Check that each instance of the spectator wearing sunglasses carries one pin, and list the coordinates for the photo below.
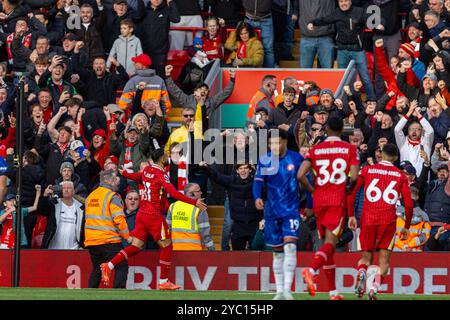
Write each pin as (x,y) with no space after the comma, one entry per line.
(183,133)
(131,209)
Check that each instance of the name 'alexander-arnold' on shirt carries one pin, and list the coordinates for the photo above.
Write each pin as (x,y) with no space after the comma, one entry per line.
(384,172)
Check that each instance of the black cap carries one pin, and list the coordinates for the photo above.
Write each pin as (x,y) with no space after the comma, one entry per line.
(261,109)
(10,196)
(413,24)
(68,129)
(320,109)
(70,36)
(120,1)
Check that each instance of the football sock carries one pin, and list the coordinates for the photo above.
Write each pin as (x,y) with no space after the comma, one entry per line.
(330,271)
(290,262)
(378,282)
(277,266)
(362,268)
(124,254)
(165,261)
(321,256)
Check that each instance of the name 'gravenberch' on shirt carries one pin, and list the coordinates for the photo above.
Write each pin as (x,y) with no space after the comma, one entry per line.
(331,151)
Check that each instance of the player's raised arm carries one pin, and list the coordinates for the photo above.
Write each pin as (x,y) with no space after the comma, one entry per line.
(136,176)
(301,175)
(174,193)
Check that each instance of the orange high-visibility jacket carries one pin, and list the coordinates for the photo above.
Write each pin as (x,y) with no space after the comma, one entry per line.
(418,235)
(256,100)
(105,218)
(155,88)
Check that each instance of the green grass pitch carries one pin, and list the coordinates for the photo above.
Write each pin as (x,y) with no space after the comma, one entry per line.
(107,294)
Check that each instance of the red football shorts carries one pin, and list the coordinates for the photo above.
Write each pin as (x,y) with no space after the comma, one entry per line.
(377,237)
(331,218)
(150,226)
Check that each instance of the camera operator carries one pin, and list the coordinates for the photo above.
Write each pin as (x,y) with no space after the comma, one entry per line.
(65,218)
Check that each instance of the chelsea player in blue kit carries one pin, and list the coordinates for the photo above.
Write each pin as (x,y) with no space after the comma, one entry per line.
(277,172)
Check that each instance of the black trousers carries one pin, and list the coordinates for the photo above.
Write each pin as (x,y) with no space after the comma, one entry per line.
(242,234)
(159,63)
(104,253)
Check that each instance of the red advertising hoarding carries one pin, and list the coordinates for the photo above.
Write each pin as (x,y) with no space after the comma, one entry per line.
(409,273)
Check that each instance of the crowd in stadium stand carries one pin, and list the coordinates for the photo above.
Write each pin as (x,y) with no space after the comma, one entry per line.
(99,92)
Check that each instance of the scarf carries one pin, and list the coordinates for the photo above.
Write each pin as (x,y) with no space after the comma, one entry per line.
(242,51)
(26,41)
(182,173)
(127,163)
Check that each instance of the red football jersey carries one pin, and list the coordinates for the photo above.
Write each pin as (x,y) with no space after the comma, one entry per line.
(153,195)
(7,237)
(383,185)
(331,160)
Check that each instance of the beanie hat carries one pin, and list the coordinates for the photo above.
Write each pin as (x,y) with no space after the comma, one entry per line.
(432,77)
(327,91)
(99,132)
(113,160)
(197,41)
(67,165)
(408,48)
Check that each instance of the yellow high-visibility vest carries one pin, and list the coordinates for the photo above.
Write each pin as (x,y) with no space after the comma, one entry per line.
(185,234)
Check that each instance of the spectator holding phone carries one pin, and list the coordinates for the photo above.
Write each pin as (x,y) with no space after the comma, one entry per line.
(53,80)
(420,137)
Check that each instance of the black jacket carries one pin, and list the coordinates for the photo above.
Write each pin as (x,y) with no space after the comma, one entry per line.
(45,81)
(240,193)
(92,119)
(111,31)
(80,189)
(92,37)
(52,158)
(389,16)
(32,175)
(349,26)
(413,93)
(226,9)
(280,115)
(102,90)
(188,7)
(154,28)
(9,24)
(19,51)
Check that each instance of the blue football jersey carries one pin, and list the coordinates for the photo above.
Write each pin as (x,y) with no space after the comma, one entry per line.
(282,188)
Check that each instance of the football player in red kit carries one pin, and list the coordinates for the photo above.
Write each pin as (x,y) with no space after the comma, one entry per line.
(150,220)
(383,184)
(332,160)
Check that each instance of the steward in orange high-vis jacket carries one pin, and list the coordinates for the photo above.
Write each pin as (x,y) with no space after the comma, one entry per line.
(105,227)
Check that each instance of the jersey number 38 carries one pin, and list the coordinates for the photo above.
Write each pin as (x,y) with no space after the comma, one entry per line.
(337,176)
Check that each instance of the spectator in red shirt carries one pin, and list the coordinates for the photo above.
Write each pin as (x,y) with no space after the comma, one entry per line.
(214,38)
